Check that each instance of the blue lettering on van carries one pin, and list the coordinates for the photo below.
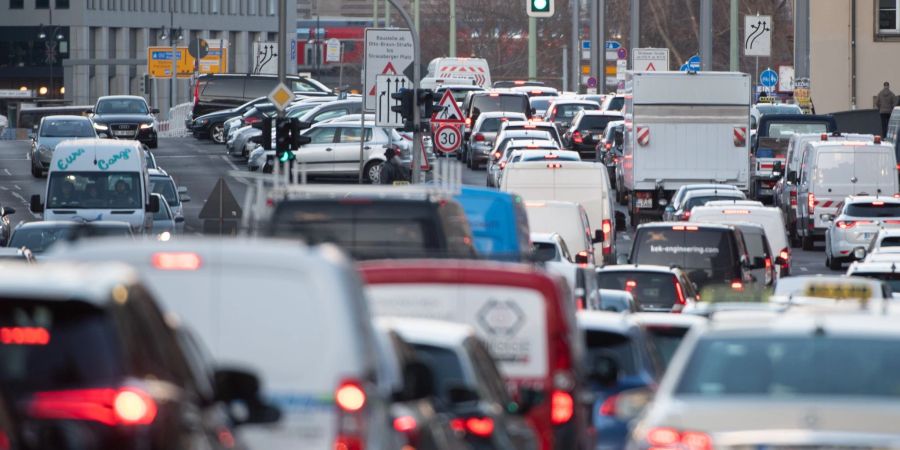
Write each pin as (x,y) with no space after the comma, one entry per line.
(64,164)
(105,164)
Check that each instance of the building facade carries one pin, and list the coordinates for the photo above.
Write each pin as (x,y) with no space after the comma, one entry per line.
(854,49)
(78,50)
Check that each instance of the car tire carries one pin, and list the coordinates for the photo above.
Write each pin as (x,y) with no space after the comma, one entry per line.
(833,263)
(807,243)
(372,172)
(792,237)
(217,133)
(36,171)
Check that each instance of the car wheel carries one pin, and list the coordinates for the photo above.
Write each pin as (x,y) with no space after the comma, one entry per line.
(373,172)
(36,171)
(792,236)
(217,133)
(806,243)
(833,263)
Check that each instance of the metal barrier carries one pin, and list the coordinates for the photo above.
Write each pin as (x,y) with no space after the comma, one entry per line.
(175,125)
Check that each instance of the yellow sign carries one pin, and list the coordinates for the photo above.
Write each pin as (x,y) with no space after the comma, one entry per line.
(838,291)
(585,70)
(159,62)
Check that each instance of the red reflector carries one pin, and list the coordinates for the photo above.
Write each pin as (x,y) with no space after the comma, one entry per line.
(608,408)
(350,396)
(176,261)
(405,424)
(562,407)
(126,406)
(24,336)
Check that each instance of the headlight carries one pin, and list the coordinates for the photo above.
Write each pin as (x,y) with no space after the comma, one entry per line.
(202,121)
(100,126)
(164,236)
(146,126)
(45,149)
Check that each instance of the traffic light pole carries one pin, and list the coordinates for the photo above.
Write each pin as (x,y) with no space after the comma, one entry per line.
(417,116)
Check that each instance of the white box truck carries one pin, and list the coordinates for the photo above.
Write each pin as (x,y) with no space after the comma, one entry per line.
(683,128)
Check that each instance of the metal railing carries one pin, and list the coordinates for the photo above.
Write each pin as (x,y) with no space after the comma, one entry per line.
(175,125)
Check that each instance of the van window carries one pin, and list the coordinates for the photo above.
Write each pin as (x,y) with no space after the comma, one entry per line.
(569,110)
(94,190)
(756,244)
(258,87)
(788,129)
(833,168)
(491,103)
(544,252)
(222,87)
(877,209)
(616,104)
(666,340)
(890,242)
(707,255)
(303,86)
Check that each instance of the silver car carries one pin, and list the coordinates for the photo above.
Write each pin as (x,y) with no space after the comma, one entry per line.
(51,131)
(481,140)
(164,221)
(175,196)
(855,224)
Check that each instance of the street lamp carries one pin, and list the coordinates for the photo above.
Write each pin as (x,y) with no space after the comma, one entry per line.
(51,41)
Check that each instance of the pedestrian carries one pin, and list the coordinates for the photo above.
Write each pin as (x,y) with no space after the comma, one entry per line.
(392,172)
(885,103)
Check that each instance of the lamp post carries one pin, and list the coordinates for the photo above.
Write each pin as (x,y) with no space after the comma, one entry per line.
(173,35)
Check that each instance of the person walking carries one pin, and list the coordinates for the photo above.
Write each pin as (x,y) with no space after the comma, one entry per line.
(885,103)
(392,172)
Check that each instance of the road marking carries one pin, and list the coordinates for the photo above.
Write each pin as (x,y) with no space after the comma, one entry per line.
(626,237)
(4,188)
(7,172)
(17,187)
(13,159)
(804,269)
(26,203)
(229,162)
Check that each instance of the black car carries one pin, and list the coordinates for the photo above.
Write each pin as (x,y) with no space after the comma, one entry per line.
(586,130)
(88,361)
(125,117)
(212,125)
(215,92)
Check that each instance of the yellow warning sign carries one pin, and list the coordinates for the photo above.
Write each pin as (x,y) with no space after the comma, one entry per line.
(159,62)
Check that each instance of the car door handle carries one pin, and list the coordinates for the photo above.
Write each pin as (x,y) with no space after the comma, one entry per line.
(328,149)
(367,148)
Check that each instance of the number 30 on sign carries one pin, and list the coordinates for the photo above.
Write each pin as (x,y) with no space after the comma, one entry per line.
(447,138)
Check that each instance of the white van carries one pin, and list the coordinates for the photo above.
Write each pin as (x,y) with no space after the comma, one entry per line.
(831,171)
(769,217)
(99,179)
(297,316)
(474,71)
(568,220)
(586,183)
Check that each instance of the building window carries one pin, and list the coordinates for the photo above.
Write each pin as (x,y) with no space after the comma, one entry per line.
(271,7)
(888,17)
(16,4)
(214,6)
(42,4)
(62,4)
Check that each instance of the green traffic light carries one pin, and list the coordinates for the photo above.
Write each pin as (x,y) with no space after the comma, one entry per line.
(287,156)
(540,5)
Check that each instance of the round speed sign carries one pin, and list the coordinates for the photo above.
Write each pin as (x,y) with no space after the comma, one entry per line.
(447,138)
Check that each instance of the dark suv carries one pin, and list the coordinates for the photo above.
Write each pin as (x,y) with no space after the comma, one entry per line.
(214,92)
(87,361)
(479,101)
(125,117)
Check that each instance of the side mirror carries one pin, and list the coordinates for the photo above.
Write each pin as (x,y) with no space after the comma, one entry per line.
(631,403)
(153,206)
(599,237)
(859,253)
(241,389)
(620,221)
(36,205)
(779,167)
(581,258)
(603,369)
(418,382)
(8,210)
(792,176)
(184,198)
(154,110)
(759,263)
(827,217)
(461,394)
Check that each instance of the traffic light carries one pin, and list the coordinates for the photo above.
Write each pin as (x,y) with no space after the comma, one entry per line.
(298,139)
(265,140)
(283,140)
(426,102)
(405,108)
(540,8)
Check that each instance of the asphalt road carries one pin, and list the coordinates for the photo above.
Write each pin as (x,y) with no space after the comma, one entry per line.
(199,164)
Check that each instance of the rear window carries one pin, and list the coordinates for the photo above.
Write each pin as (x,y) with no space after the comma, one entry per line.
(708,255)
(612,344)
(651,290)
(56,345)
(666,339)
(509,103)
(616,104)
(568,111)
(702,200)
(874,209)
(222,87)
(445,366)
(596,123)
(788,129)
(756,244)
(890,242)
(540,104)
(491,125)
(832,168)
(544,251)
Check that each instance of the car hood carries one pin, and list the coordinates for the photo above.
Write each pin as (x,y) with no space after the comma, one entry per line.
(821,414)
(122,118)
(51,142)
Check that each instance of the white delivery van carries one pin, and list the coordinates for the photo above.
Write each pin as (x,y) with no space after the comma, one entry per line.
(568,220)
(683,128)
(768,217)
(474,71)
(99,179)
(585,183)
(833,170)
(242,298)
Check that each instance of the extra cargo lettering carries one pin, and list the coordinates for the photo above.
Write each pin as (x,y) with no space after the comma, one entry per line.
(64,164)
(105,164)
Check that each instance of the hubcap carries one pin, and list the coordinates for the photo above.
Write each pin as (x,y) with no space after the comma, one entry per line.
(375,173)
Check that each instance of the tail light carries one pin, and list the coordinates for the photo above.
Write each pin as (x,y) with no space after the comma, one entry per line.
(24,336)
(113,407)
(176,261)
(350,398)
(554,166)
(562,407)
(630,285)
(793,198)
(672,438)
(407,426)
(877,139)
(847,224)
(496,155)
(737,285)
(607,236)
(196,93)
(811,203)
(479,137)
(608,145)
(679,293)
(686,215)
(251,120)
(482,427)
(468,121)
(576,136)
(608,408)
(898,166)
(502,165)
(892,222)
(768,263)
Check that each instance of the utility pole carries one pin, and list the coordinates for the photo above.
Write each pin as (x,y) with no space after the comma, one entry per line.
(801,39)
(532,48)
(452,52)
(418,153)
(575,80)
(734,64)
(387,15)
(598,43)
(283,43)
(374,13)
(706,35)
(416,12)
(635,31)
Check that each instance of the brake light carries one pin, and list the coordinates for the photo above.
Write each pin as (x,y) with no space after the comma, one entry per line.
(793,198)
(679,292)
(684,228)
(824,136)
(562,407)
(196,93)
(784,254)
(479,137)
(176,261)
(878,203)
(112,407)
(551,156)
(481,427)
(251,120)
(892,222)
(686,215)
(502,164)
(519,83)
(350,396)
(607,236)
(496,155)
(768,263)
(405,424)
(608,145)
(671,438)
(811,203)
(847,224)
(24,336)
(554,166)
(576,136)
(877,139)
(630,285)
(608,408)
(736,211)
(529,127)
(737,285)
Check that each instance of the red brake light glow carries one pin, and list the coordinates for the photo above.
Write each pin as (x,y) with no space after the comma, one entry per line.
(554,166)
(671,438)
(737,285)
(350,396)
(493,94)
(24,336)
(481,427)
(785,254)
(176,261)
(405,424)
(736,211)
(680,293)
(608,408)
(878,203)
(576,136)
(811,203)
(663,437)
(125,406)
(684,228)
(479,137)
(562,407)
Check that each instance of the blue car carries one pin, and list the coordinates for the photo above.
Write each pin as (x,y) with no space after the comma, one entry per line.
(499,223)
(620,337)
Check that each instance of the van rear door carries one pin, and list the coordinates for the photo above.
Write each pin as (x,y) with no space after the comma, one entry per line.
(874,168)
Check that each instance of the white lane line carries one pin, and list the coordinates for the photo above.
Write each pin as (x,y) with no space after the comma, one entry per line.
(26,203)
(626,237)
(7,172)
(13,159)
(229,162)
(804,269)
(4,188)
(17,187)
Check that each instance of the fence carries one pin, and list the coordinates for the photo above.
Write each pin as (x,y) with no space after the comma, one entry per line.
(175,125)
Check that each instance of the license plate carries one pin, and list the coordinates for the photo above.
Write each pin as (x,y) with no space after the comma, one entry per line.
(644,202)
(124,133)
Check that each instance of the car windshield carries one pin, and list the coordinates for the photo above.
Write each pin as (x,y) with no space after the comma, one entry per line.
(616,345)
(94,190)
(67,345)
(53,128)
(544,251)
(122,106)
(652,290)
(873,209)
(706,254)
(788,129)
(666,339)
(569,110)
(165,187)
(813,364)
(39,239)
(540,104)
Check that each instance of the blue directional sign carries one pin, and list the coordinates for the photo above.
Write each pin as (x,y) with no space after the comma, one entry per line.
(768,78)
(613,45)
(692,64)
(585,44)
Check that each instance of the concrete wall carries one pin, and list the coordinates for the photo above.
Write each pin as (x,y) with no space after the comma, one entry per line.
(877,57)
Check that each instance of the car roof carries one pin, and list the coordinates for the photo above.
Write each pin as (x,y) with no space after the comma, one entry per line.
(753,205)
(132,97)
(601,113)
(675,320)
(536,123)
(429,332)
(72,223)
(71,282)
(686,224)
(809,324)
(573,101)
(638,268)
(604,321)
(544,237)
(716,192)
(496,114)
(523,143)
(158,173)
(694,187)
(874,266)
(870,199)
(66,117)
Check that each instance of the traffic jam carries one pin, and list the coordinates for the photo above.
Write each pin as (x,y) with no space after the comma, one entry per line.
(622,275)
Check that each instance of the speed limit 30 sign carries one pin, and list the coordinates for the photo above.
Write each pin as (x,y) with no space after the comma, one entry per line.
(447,138)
